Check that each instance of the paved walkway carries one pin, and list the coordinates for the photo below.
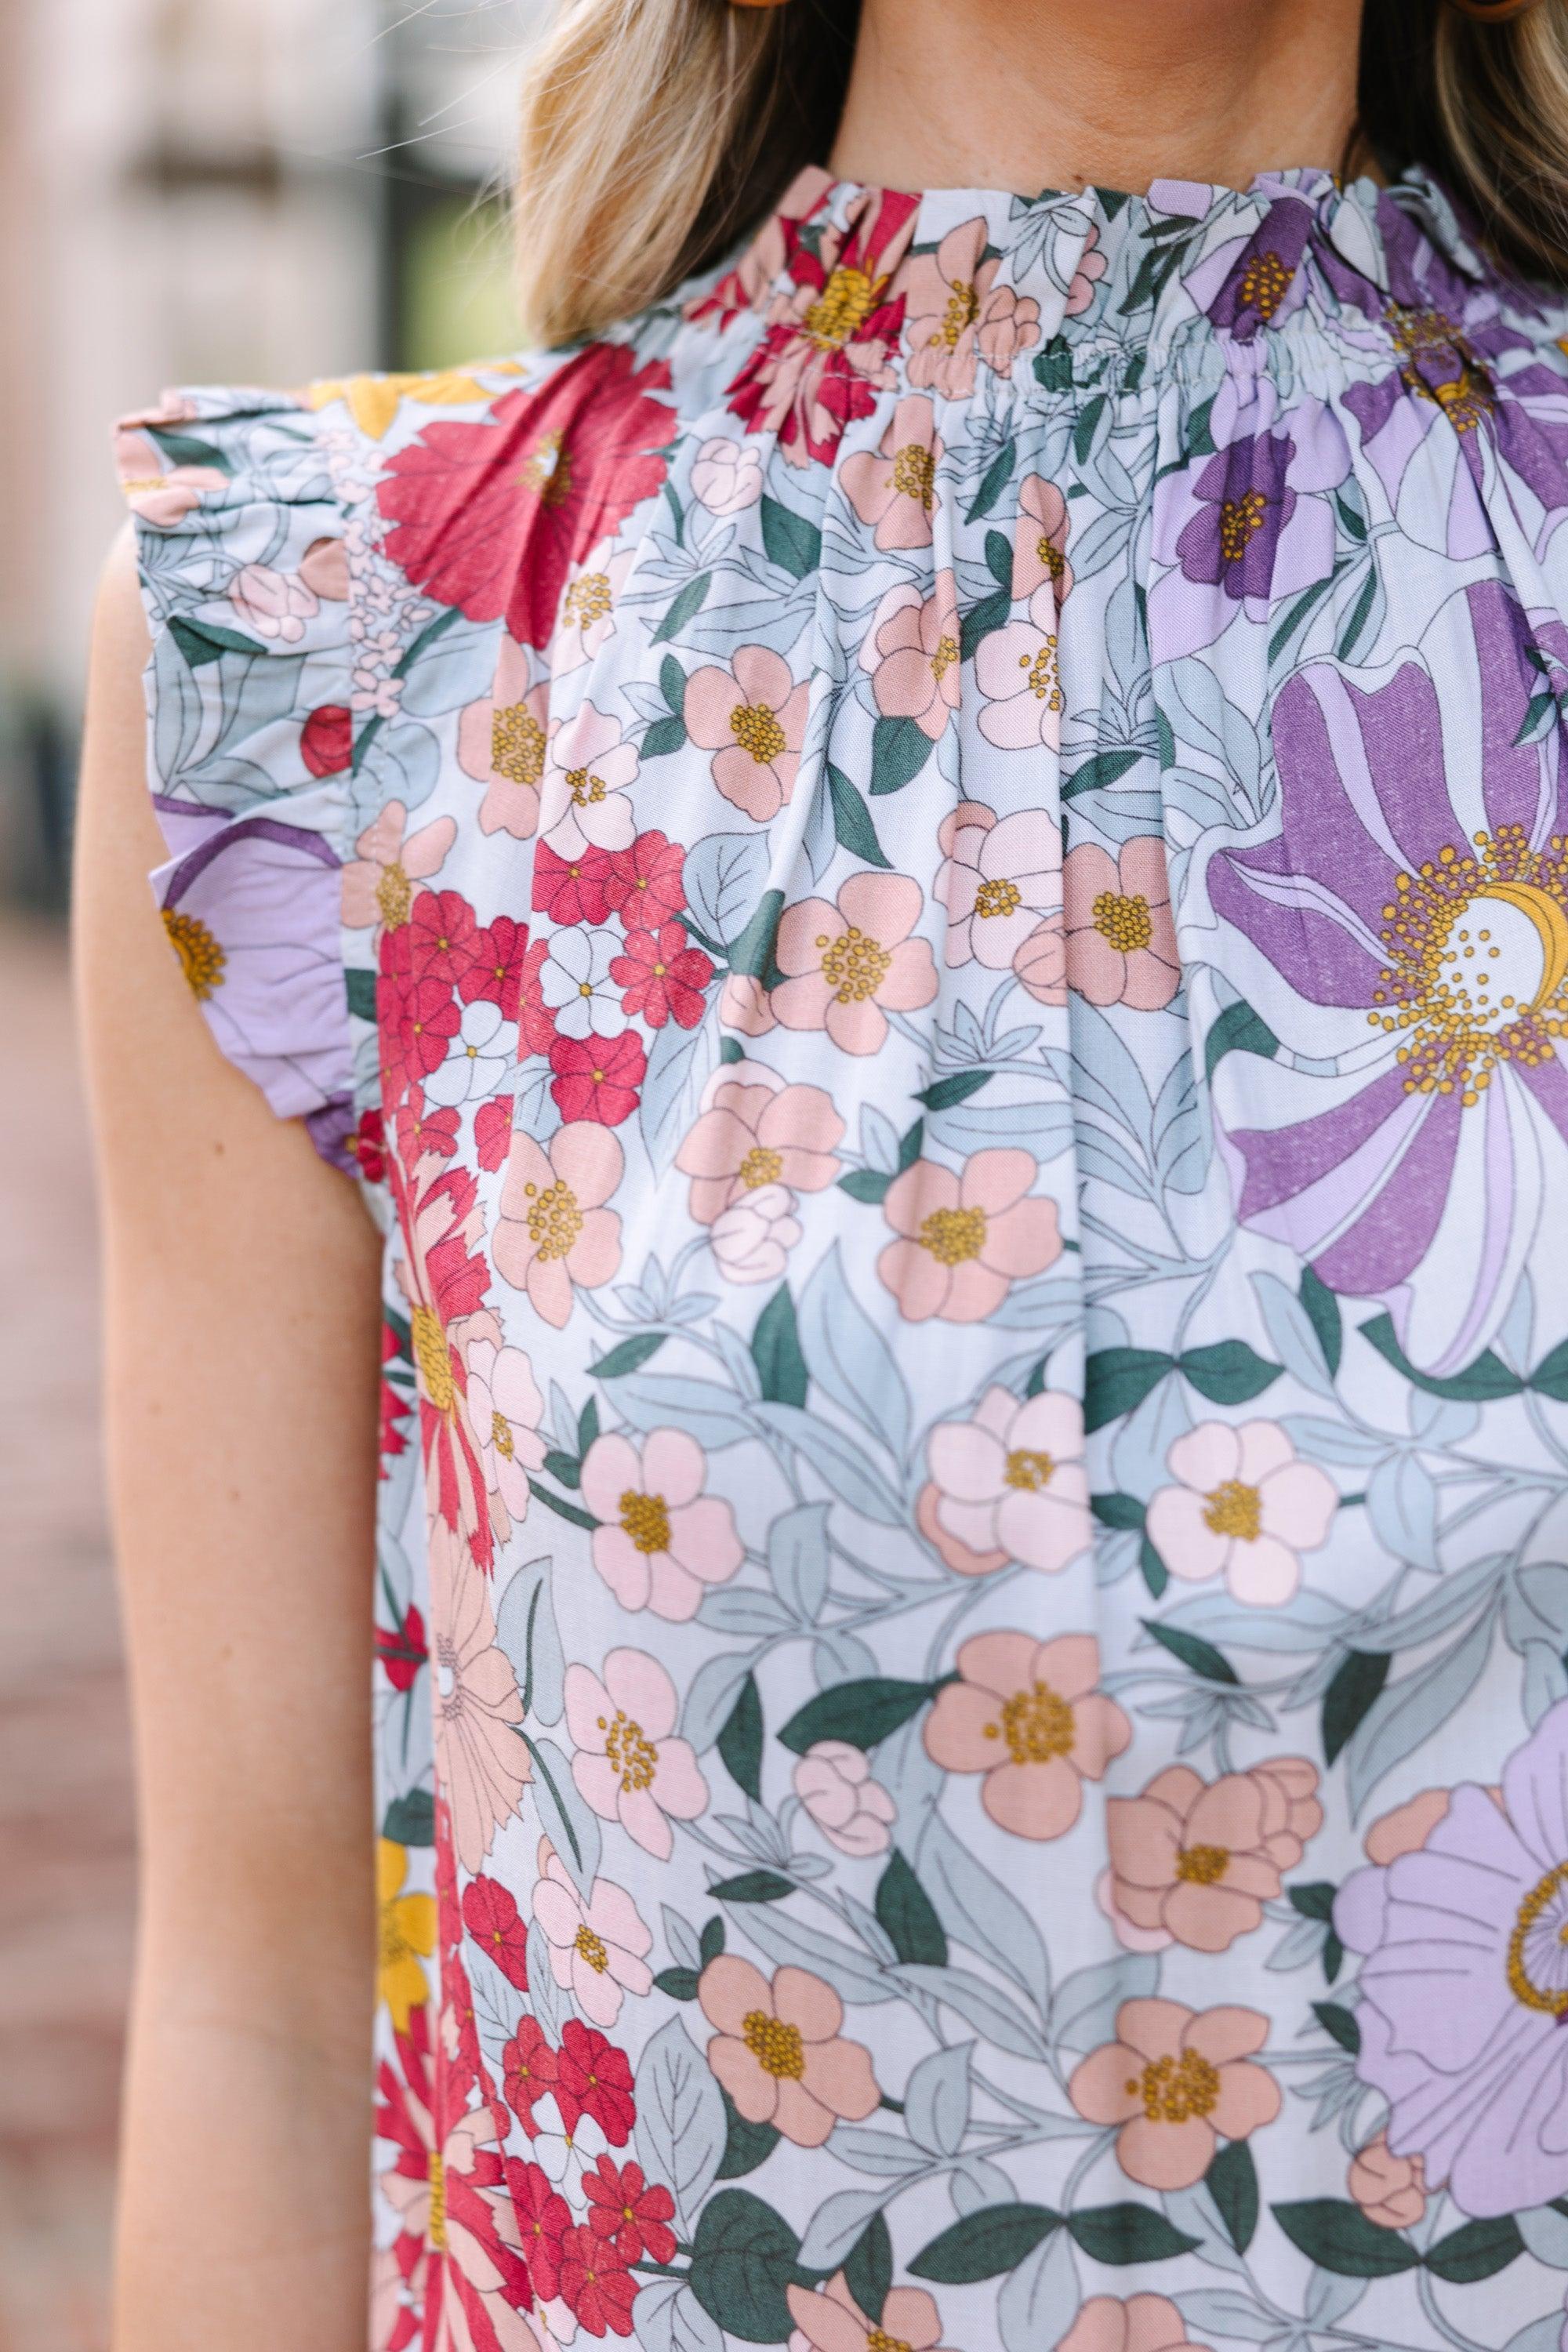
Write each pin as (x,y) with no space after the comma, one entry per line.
(65,1802)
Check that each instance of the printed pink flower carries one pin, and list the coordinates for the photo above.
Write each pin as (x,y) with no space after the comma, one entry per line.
(1389,2190)
(598,1943)
(832,2320)
(158,494)
(751,717)
(776,2049)
(757,1131)
(854,1813)
(1177,2083)
(957,1555)
(1087,276)
(378,884)
(751,1239)
(997,881)
(276,604)
(895,487)
(912,651)
(1121,935)
(956,316)
(1406,1829)
(1040,965)
(480,1763)
(660,1538)
(626,1764)
(500,743)
(1144,2323)
(553,1230)
(582,800)
(1244,1509)
(587,619)
(1016,670)
(727,475)
(1011,1479)
(324,569)
(1030,1715)
(847,965)
(1039,541)
(1193,1862)
(505,1409)
(964,1240)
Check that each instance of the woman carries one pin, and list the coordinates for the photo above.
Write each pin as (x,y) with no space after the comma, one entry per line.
(926,892)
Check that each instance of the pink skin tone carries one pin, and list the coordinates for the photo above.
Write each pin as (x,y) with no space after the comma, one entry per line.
(627,1764)
(1243,1507)
(963,1240)
(1109,901)
(1000,877)
(832,957)
(385,846)
(1209,2054)
(1251,1827)
(757,1134)
(1012,1689)
(610,1915)
(892,486)
(832,2320)
(752,719)
(912,650)
(578,1176)
(511,804)
(1011,1481)
(836,2083)
(661,1539)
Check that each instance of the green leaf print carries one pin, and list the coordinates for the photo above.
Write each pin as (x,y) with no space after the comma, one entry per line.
(984,2244)
(861,1713)
(792,543)
(746,2145)
(1239,1030)
(1118,2234)
(1232,2181)
(869,2268)
(906,1911)
(1338,2237)
(743,2259)
(1353,1690)
(852,826)
(1481,1382)
(899,749)
(740,1742)
(1199,1656)
(775,1351)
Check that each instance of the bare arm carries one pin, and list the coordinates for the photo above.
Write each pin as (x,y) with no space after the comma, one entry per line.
(241,1339)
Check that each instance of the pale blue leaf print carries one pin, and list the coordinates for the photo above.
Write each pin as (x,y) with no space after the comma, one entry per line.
(890,2159)
(977,1910)
(1212,723)
(681,1938)
(1330,2297)
(1411,1711)
(1297,1948)
(936,2101)
(1292,1334)
(1139,1451)
(1215,2311)
(1039,2300)
(1305,1625)
(670,2319)
(1401,1503)
(1044,1128)
(725,876)
(849,1358)
(836,1459)
(680,1064)
(789,1943)
(461,668)
(753,1615)
(1195,2214)
(1442,1421)
(1545,1681)
(1108,1071)
(739,1361)
(404,763)
(713,1415)
(526,1630)
(568,1821)
(993,2013)
(1545,2232)
(680,2123)
(819,836)
(1537,1605)
(840,1657)
(1446,1605)
(1100,1156)
(551,2005)
(1541,2335)
(1043,1306)
(878,1141)
(973,2184)
(1084,2010)
(1333,1440)
(715,1687)
(797,1560)
(836,2227)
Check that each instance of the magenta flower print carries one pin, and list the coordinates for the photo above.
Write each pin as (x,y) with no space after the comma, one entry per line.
(1465,1985)
(628,1765)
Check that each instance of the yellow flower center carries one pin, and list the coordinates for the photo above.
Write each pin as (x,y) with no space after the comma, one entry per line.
(1201,1865)
(517,744)
(1177,2090)
(201,957)
(945,656)
(756,731)
(1537,1947)
(1042,677)
(393,896)
(1037,1724)
(433,1358)
(1239,519)
(878,2340)
(963,309)
(842,308)
(853,965)
(645,1518)
(1233,1509)
(554,1220)
(1030,1473)
(998,896)
(435,2227)
(588,600)
(548,471)
(591,1949)
(776,2047)
(1431,337)
(502,1437)
(914,474)
(1047,553)
(1264,282)
(953,1235)
(630,1750)
(760,1167)
(1125,922)
(584,786)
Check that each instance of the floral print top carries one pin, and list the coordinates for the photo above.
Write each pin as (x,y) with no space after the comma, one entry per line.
(929,892)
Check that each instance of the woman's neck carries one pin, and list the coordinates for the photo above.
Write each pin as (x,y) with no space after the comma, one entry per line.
(1031,94)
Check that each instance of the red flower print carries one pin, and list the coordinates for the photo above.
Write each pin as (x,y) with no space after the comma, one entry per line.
(492,1131)
(543,2218)
(660,976)
(421,1132)
(597,1077)
(366,1146)
(326,740)
(491,1916)
(529,2069)
(595,2285)
(495,974)
(593,2078)
(577,892)
(632,2213)
(443,936)
(645,887)
(415,1019)
(491,517)
(401,1648)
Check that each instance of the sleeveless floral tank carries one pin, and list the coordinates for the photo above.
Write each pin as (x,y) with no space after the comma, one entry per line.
(929,892)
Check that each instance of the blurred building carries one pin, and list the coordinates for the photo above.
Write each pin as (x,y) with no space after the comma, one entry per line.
(241,191)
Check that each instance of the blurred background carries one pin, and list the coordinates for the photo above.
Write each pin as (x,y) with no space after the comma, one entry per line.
(231,190)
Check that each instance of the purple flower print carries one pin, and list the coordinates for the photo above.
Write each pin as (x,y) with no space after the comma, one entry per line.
(1465,1985)
(1261,283)
(1415,902)
(1244,502)
(252,913)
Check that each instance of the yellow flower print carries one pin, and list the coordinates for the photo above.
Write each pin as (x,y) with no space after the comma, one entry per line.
(407,1934)
(373,401)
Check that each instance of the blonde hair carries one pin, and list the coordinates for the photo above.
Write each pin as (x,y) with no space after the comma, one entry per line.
(655,133)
